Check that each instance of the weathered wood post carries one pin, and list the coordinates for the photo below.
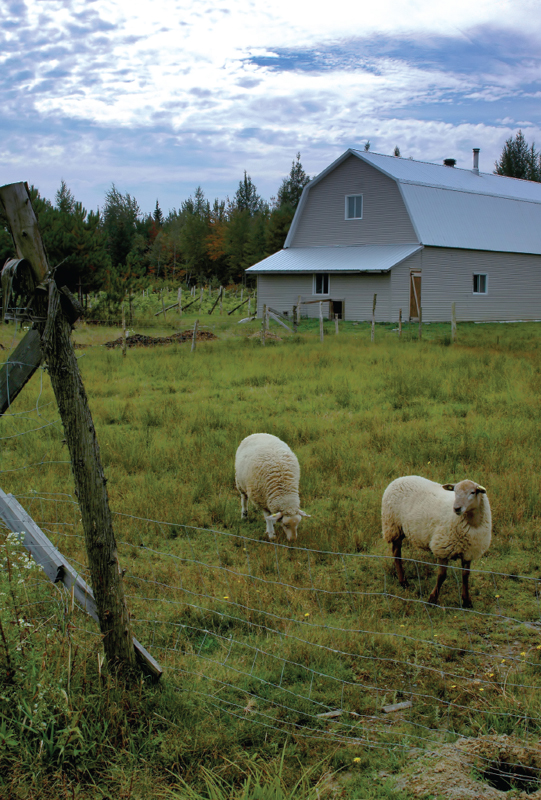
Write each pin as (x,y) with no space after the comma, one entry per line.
(264,325)
(201,298)
(250,305)
(179,300)
(453,322)
(90,482)
(299,310)
(399,323)
(123,330)
(336,324)
(373,329)
(222,291)
(194,335)
(321,322)
(163,306)
(241,293)
(420,322)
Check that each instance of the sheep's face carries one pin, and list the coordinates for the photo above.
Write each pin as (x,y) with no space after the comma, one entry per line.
(467,496)
(290,525)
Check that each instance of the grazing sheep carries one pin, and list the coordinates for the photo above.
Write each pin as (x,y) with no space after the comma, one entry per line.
(267,473)
(451,526)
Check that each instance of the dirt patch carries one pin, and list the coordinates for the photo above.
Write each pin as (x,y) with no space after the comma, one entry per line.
(139,340)
(268,335)
(485,768)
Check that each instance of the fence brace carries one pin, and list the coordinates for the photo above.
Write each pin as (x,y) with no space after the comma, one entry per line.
(58,569)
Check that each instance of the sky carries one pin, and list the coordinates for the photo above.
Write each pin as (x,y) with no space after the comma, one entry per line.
(160,96)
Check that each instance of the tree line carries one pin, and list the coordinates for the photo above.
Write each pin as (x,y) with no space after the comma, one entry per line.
(118,248)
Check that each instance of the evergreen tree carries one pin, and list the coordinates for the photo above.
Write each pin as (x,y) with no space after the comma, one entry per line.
(519,159)
(396,151)
(121,214)
(158,216)
(291,189)
(246,196)
(194,235)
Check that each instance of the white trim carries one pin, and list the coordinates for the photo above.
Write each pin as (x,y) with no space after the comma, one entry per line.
(346,217)
(481,294)
(321,275)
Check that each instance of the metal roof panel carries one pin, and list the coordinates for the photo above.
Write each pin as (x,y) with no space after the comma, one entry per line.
(363,258)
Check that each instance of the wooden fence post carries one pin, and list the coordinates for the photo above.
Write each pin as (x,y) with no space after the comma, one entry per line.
(373,329)
(90,483)
(194,336)
(321,321)
(420,322)
(163,306)
(179,300)
(299,310)
(399,323)
(123,330)
(263,325)
(336,324)
(453,322)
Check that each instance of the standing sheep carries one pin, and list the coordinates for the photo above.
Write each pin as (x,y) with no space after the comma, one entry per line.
(267,473)
(451,526)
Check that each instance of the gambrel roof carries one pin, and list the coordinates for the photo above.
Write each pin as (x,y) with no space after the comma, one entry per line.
(453,207)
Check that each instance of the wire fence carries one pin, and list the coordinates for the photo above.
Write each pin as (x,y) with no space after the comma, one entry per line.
(316,643)
(337,653)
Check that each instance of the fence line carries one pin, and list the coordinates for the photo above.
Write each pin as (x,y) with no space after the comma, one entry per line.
(222,614)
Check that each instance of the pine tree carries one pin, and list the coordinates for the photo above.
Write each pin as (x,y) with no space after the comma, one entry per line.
(519,159)
(246,196)
(292,187)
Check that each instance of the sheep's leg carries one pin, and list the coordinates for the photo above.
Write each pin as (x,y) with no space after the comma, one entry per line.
(243,505)
(397,553)
(442,574)
(466,599)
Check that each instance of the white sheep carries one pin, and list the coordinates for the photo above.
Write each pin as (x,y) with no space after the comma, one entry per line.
(431,517)
(267,472)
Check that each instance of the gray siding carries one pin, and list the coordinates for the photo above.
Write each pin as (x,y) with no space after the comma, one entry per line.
(385,219)
(514,285)
(357,291)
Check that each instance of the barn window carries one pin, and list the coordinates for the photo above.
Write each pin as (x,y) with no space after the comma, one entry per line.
(480,283)
(354,206)
(321,283)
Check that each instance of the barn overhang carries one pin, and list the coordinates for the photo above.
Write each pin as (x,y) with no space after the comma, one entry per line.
(358,259)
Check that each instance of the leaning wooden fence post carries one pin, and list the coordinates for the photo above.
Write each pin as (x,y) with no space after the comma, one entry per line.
(453,322)
(399,323)
(59,309)
(321,322)
(194,336)
(373,329)
(123,330)
(420,322)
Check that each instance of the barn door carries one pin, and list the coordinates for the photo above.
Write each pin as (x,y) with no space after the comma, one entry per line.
(415,295)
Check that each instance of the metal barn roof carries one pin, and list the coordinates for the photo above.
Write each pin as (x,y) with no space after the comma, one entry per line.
(364,258)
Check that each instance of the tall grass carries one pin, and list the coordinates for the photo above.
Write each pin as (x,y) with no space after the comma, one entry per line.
(358,415)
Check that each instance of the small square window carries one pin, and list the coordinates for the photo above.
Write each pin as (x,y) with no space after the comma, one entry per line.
(321,283)
(354,206)
(480,283)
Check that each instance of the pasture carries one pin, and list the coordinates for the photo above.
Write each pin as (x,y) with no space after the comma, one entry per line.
(279,660)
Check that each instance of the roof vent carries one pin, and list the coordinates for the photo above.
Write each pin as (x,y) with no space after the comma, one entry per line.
(449,162)
(476,160)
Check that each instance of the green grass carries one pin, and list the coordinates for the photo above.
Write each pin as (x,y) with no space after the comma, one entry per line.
(291,631)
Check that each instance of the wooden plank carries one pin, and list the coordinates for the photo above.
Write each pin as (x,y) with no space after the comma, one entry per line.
(19,368)
(397,707)
(57,568)
(278,320)
(15,200)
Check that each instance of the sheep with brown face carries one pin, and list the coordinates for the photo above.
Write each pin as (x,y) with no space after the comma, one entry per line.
(451,520)
(267,472)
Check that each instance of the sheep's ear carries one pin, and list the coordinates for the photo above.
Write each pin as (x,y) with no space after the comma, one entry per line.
(450,487)
(304,514)
(480,490)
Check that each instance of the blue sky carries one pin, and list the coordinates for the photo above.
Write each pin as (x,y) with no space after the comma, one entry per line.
(159,96)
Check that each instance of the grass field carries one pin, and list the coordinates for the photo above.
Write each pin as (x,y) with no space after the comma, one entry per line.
(258,639)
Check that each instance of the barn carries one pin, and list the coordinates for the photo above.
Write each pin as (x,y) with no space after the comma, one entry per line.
(417,234)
